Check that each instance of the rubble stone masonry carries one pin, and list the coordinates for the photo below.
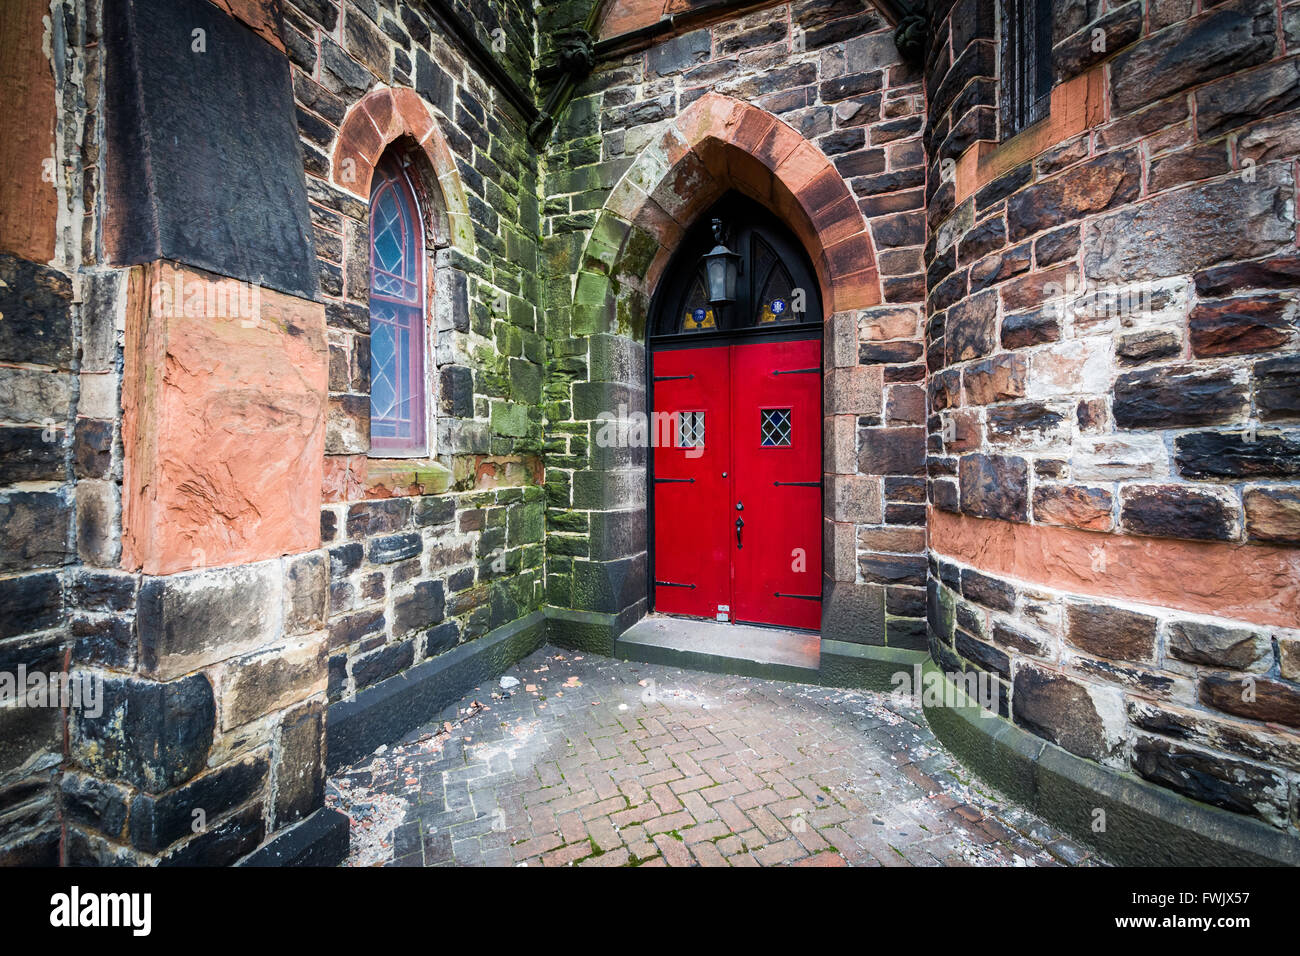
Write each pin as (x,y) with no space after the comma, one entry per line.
(1114,390)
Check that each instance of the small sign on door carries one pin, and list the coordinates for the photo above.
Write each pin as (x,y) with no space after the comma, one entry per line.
(724,612)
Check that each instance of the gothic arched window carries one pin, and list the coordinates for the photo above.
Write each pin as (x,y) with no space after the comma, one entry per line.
(776,287)
(398,423)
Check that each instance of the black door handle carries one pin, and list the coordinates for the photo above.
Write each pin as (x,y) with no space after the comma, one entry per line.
(740,527)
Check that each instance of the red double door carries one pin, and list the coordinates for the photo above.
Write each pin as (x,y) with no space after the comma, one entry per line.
(737,483)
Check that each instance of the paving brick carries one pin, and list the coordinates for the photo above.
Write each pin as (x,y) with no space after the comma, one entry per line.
(785,775)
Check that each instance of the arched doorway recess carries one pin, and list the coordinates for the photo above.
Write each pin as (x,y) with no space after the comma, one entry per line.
(735,393)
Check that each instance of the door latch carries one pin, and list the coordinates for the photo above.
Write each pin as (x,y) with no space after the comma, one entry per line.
(740,527)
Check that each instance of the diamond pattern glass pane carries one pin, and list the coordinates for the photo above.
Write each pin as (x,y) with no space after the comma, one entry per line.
(690,429)
(774,426)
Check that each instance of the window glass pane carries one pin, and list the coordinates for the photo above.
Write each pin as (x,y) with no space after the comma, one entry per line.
(774,427)
(774,304)
(697,314)
(396,316)
(690,429)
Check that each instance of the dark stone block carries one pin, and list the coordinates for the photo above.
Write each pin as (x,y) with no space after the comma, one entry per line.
(854,613)
(982,655)
(35,302)
(100,804)
(222,844)
(93,590)
(987,591)
(30,602)
(383,663)
(300,765)
(1235,326)
(320,840)
(1277,388)
(1280,272)
(1243,454)
(995,486)
(1060,710)
(456,393)
(892,568)
(104,641)
(441,639)
(28,454)
(1111,632)
(397,547)
(159,821)
(1109,180)
(154,735)
(185,183)
(1178,396)
(1255,698)
(1210,778)
(1177,511)
(1226,39)
(420,609)
(1236,648)
(378,517)
(33,530)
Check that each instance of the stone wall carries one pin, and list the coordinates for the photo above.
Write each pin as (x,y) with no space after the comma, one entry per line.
(192,523)
(619,194)
(1113,390)
(425,553)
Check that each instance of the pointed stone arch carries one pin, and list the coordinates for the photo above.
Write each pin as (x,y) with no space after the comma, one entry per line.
(720,143)
(384,116)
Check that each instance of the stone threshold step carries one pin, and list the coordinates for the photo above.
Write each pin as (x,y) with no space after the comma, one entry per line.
(763,652)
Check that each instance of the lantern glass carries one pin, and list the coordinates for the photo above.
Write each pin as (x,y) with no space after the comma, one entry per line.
(721,266)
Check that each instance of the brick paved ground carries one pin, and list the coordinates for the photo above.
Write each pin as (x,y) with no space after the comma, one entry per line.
(607,763)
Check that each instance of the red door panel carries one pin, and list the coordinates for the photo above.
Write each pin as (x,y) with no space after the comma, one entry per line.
(692,566)
(776,466)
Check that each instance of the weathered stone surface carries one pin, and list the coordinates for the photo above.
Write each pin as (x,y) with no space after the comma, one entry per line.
(1273,514)
(1277,388)
(1279,272)
(378,517)
(419,610)
(192,620)
(1190,229)
(33,530)
(988,591)
(395,547)
(1062,710)
(1031,328)
(994,380)
(995,486)
(1237,648)
(891,451)
(1111,632)
(1073,506)
(1148,346)
(1257,698)
(35,301)
(1109,180)
(1179,396)
(1231,36)
(159,821)
(1236,100)
(972,327)
(1179,511)
(299,765)
(271,680)
(1236,326)
(1238,454)
(306,588)
(222,413)
(1232,784)
(153,735)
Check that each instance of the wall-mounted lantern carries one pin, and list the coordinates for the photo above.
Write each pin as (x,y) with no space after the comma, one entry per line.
(721,265)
